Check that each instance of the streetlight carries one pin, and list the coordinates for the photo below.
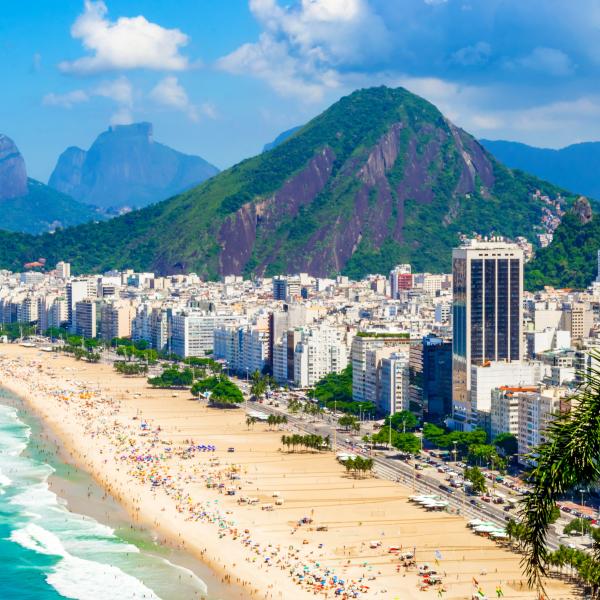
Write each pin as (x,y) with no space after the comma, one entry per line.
(455,451)
(582,491)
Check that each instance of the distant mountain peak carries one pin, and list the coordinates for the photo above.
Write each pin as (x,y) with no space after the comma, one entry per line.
(126,167)
(573,167)
(13,173)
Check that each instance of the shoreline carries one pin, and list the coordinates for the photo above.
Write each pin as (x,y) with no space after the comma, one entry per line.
(355,511)
(103,507)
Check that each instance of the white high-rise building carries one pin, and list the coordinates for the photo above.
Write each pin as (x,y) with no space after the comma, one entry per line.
(485,378)
(362,344)
(487,317)
(63,270)
(192,334)
(536,411)
(78,289)
(85,318)
(394,389)
(320,351)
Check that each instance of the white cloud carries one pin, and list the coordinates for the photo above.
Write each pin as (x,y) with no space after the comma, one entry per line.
(122,116)
(127,43)
(118,90)
(475,55)
(302,48)
(169,92)
(67,100)
(209,110)
(547,60)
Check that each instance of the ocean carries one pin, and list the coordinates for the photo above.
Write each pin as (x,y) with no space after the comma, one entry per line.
(48,552)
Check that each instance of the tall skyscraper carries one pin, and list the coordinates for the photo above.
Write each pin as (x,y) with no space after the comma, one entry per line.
(487,315)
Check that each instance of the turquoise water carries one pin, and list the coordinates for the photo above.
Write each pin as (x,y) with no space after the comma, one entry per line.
(48,552)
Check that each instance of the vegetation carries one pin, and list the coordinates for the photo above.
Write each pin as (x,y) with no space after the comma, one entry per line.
(42,208)
(130,351)
(578,525)
(506,444)
(310,442)
(334,387)
(405,442)
(334,392)
(349,422)
(220,389)
(359,466)
(443,438)
(485,454)
(126,368)
(382,334)
(173,378)
(477,479)
(276,420)
(570,260)
(13,331)
(403,421)
(581,565)
(204,363)
(568,459)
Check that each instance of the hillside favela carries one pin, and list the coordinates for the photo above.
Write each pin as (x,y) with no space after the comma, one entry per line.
(300,300)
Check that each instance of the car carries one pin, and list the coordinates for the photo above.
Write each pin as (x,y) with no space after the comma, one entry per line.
(230,449)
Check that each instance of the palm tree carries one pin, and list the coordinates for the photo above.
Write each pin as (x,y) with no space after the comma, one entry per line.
(250,421)
(569,458)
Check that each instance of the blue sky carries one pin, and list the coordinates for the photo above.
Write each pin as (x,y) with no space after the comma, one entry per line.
(220,79)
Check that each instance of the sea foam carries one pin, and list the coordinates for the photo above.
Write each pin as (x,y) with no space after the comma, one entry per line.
(79,578)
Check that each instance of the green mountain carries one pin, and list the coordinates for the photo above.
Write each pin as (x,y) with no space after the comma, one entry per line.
(43,209)
(571,260)
(380,177)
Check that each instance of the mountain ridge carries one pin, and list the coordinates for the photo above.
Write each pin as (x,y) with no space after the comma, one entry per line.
(380,177)
(574,167)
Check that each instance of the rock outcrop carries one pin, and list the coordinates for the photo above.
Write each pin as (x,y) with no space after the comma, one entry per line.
(583,210)
(13,174)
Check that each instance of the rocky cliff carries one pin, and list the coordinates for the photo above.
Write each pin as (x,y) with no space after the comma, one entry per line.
(126,167)
(13,174)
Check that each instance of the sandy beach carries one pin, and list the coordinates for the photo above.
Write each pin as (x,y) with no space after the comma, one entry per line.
(164,456)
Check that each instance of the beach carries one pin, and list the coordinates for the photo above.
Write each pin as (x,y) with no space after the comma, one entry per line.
(309,528)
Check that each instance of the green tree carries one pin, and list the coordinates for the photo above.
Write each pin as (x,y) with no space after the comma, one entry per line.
(407,442)
(507,444)
(223,392)
(477,479)
(348,422)
(482,454)
(578,525)
(403,421)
